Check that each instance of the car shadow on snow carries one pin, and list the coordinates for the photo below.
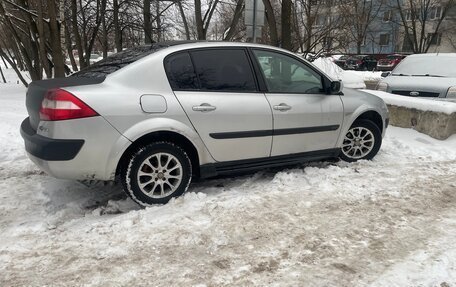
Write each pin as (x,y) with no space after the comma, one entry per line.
(72,199)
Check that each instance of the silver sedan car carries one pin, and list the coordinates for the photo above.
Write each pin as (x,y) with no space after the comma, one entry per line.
(423,75)
(157,116)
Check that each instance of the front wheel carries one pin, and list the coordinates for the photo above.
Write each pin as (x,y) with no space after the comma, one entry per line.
(156,173)
(362,141)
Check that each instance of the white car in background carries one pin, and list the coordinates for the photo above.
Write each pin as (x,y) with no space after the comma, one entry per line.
(423,75)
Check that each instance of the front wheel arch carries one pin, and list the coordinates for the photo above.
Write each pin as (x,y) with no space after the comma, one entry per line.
(372,116)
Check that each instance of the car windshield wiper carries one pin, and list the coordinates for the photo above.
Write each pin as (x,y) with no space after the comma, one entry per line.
(428,75)
(403,75)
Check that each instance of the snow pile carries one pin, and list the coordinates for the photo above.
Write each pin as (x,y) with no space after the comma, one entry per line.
(350,80)
(421,104)
(386,222)
(372,76)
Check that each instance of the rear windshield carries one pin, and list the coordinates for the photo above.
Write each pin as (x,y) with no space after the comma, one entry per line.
(392,57)
(119,60)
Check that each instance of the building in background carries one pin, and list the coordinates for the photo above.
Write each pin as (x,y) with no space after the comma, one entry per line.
(384,27)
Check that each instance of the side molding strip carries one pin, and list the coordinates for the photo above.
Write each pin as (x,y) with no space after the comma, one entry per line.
(280,132)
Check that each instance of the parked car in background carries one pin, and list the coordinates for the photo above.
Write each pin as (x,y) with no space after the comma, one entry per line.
(204,109)
(423,75)
(390,62)
(360,63)
(340,61)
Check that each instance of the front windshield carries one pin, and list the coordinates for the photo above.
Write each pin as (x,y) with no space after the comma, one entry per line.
(440,66)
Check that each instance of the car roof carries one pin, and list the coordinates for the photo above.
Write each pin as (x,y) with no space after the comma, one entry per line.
(128,56)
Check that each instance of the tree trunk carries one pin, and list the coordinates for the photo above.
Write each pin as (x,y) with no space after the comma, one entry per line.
(57,55)
(117,30)
(3,76)
(77,37)
(104,37)
(237,15)
(158,20)
(286,24)
(4,63)
(184,20)
(42,41)
(199,21)
(14,66)
(100,11)
(270,18)
(69,46)
(147,23)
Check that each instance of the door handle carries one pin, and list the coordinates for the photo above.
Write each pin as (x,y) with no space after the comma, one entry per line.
(282,107)
(203,108)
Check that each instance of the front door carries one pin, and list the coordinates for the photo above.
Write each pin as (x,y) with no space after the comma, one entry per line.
(305,117)
(218,92)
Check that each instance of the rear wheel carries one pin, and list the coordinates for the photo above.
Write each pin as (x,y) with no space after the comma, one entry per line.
(156,173)
(362,141)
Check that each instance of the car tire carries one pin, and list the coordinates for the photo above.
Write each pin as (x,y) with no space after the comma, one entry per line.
(362,141)
(156,173)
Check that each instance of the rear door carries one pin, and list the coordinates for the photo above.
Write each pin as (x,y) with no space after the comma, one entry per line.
(218,91)
(305,117)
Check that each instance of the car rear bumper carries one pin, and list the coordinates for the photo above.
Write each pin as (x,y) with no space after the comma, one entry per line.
(46,148)
(94,155)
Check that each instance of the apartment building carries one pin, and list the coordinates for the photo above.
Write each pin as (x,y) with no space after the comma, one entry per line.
(377,27)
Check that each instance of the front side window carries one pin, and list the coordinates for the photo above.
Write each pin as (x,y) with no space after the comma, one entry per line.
(284,74)
(224,70)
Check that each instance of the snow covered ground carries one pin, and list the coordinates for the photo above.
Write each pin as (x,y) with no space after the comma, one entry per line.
(386,222)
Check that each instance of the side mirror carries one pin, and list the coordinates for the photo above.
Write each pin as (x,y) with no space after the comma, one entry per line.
(385,74)
(335,87)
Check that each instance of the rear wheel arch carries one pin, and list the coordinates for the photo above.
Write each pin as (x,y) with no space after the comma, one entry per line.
(157,136)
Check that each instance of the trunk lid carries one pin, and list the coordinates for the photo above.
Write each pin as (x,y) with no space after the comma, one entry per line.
(37,90)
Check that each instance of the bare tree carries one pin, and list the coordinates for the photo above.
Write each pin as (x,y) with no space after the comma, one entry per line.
(421,22)
(286,24)
(203,22)
(359,15)
(317,26)
(232,20)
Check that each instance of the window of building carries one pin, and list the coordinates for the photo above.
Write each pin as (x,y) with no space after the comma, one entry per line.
(321,20)
(410,15)
(223,70)
(384,39)
(435,13)
(387,16)
(434,38)
(407,45)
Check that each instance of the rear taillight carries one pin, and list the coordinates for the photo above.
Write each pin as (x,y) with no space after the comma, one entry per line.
(60,105)
(359,62)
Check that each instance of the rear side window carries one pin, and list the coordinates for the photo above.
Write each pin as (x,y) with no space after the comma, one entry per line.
(224,70)
(181,74)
